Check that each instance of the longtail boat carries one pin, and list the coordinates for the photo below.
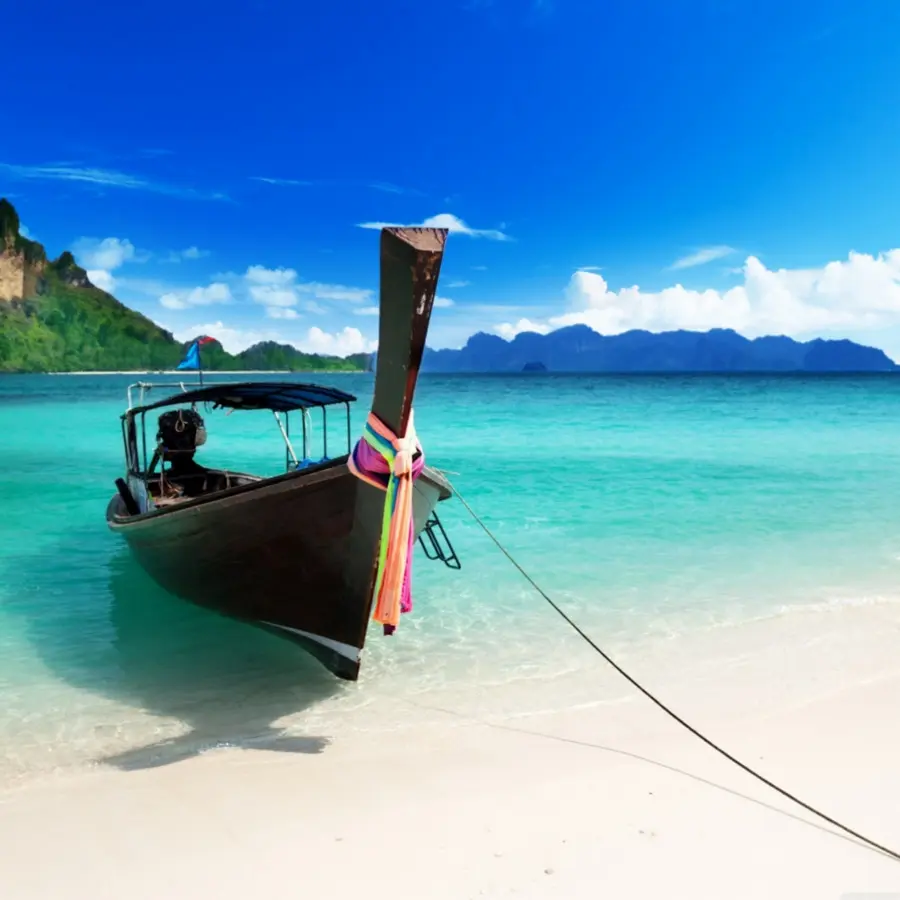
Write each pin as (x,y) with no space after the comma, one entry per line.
(314,553)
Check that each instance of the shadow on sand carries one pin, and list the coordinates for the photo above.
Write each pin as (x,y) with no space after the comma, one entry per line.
(112,631)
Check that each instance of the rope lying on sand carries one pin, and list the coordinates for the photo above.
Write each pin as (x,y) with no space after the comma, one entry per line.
(386,461)
(784,793)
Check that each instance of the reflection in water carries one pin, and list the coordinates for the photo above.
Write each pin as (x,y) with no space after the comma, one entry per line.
(226,682)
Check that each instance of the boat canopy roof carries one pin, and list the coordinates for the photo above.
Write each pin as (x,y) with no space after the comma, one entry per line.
(279,396)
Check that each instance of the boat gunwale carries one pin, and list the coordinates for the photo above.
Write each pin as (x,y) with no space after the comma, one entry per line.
(329,469)
(238,490)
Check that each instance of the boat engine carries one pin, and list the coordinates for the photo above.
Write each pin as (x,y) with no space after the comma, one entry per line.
(180,431)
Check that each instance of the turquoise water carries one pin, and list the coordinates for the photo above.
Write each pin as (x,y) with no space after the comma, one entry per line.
(651,507)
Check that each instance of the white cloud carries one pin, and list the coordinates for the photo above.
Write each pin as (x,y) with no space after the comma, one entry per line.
(342,343)
(76,173)
(335,292)
(217,292)
(102,178)
(315,340)
(443,302)
(861,292)
(281,287)
(100,257)
(277,290)
(444,220)
(272,288)
(271,296)
(292,182)
(389,188)
(102,279)
(262,275)
(23,230)
(701,257)
(509,331)
(458,284)
(234,340)
(108,254)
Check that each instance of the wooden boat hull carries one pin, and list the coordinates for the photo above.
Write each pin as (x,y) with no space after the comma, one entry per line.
(275,553)
(298,553)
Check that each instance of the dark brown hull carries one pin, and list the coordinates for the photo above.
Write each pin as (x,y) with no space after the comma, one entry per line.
(276,553)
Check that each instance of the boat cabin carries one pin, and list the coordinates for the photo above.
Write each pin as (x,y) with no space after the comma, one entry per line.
(163,471)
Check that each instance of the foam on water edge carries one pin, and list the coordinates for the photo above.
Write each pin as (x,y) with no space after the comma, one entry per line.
(96,731)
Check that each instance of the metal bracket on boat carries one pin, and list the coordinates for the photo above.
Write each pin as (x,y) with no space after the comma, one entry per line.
(438,545)
(293,462)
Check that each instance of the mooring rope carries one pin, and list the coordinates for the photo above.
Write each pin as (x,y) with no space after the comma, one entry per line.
(669,712)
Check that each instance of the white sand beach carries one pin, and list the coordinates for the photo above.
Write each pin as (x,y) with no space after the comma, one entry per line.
(607,800)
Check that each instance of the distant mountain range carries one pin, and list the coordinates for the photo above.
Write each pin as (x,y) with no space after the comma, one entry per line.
(52,319)
(578,348)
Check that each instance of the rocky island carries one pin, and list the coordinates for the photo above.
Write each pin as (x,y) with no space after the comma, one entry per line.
(52,319)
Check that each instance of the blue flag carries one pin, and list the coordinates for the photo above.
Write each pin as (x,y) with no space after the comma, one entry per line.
(191,358)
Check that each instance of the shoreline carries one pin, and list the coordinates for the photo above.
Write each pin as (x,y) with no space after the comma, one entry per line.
(209,372)
(602,798)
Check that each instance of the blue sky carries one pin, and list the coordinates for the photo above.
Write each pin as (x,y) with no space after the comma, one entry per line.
(639,164)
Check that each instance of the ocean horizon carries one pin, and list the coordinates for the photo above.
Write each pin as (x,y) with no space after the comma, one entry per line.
(653,508)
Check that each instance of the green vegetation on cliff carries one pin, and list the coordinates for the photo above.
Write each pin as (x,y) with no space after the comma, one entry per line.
(269,356)
(68,324)
(66,328)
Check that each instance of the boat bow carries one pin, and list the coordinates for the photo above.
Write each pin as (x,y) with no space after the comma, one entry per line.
(410,267)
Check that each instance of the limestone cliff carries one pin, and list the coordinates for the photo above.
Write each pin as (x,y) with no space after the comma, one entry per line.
(12,276)
(22,262)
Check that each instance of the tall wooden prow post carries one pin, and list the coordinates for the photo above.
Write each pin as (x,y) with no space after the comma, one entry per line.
(410,266)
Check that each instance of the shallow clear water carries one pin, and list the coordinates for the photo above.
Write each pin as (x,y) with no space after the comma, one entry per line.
(650,506)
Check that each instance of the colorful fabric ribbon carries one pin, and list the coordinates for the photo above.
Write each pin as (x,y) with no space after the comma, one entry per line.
(385,461)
